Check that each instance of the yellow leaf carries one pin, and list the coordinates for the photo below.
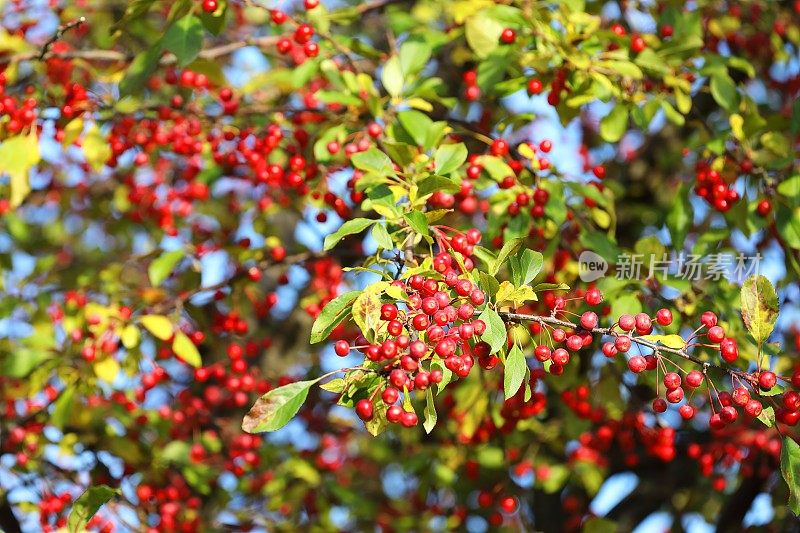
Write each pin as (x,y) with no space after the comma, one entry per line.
(159,326)
(18,155)
(130,336)
(96,148)
(72,131)
(186,350)
(107,369)
(670,341)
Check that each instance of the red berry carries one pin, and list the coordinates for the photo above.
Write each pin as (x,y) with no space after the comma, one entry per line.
(708,319)
(508,36)
(364,409)
(589,320)
(694,378)
(686,411)
(637,364)
(659,405)
(534,86)
(593,296)
(716,334)
(209,6)
(342,348)
(767,380)
(672,380)
(638,44)
(664,317)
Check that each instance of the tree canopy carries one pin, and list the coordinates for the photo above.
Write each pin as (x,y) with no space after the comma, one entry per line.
(399,265)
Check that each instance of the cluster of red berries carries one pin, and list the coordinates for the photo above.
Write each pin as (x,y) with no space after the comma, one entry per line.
(300,44)
(440,314)
(20,113)
(711,186)
(471,92)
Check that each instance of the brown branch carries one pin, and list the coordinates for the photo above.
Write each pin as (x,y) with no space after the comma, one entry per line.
(64,28)
(115,56)
(681,352)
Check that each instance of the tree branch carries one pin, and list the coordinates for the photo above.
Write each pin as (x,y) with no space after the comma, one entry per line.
(553,321)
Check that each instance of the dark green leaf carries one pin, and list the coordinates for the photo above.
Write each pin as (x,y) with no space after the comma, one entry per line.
(790,468)
(495,334)
(351,227)
(87,505)
(510,247)
(184,39)
(525,266)
(417,221)
(139,71)
(723,89)
(516,368)
(332,315)
(274,410)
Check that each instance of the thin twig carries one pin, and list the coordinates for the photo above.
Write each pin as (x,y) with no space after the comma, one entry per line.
(114,56)
(64,28)
(553,321)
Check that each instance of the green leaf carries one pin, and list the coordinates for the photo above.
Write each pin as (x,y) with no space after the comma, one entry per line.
(160,326)
(184,348)
(96,148)
(790,468)
(516,368)
(392,76)
(414,54)
(417,124)
(139,71)
(614,125)
(430,411)
(672,114)
(214,22)
(184,39)
(525,266)
(723,89)
(351,227)
(767,416)
(495,334)
(416,220)
(332,315)
(483,33)
(382,237)
(759,307)
(433,183)
(63,407)
(274,410)
(373,161)
(790,187)
(162,266)
(87,505)
(18,155)
(680,217)
(509,247)
(449,157)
